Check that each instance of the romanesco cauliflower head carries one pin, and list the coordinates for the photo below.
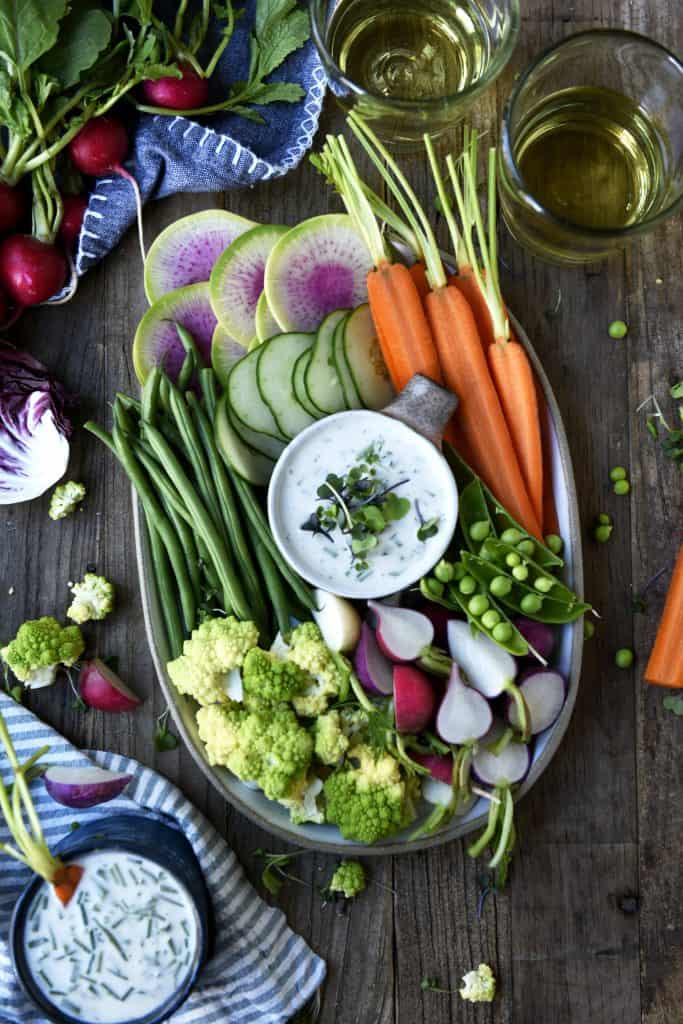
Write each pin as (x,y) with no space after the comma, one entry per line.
(39,648)
(302,801)
(371,800)
(479,986)
(215,649)
(268,681)
(330,682)
(93,599)
(65,499)
(348,880)
(269,748)
(330,740)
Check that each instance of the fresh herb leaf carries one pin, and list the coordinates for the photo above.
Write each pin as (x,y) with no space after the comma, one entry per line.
(673,704)
(428,529)
(274,873)
(676,390)
(164,739)
(395,508)
(433,985)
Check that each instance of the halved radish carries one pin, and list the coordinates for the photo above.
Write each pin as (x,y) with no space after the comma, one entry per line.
(464,715)
(401,632)
(414,699)
(102,689)
(337,620)
(225,352)
(487,666)
(544,694)
(156,341)
(186,251)
(440,766)
(505,768)
(374,670)
(84,786)
(237,279)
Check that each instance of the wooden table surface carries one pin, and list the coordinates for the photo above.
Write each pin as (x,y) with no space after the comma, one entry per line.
(590,929)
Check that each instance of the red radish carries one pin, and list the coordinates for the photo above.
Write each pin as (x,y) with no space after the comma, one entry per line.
(506,768)
(440,766)
(72,220)
(544,694)
(414,699)
(13,207)
(372,668)
(99,148)
(401,632)
(538,635)
(464,715)
(102,689)
(184,93)
(84,787)
(31,271)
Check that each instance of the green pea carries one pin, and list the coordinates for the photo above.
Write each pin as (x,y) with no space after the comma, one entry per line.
(624,657)
(554,543)
(621,487)
(618,473)
(604,519)
(477,605)
(467,585)
(502,632)
(500,586)
(602,534)
(520,572)
(480,530)
(487,552)
(444,571)
(526,547)
(588,629)
(617,330)
(490,618)
(513,559)
(511,536)
(544,584)
(530,604)
(435,587)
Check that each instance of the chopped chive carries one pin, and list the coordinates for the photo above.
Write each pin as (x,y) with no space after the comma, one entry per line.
(81,944)
(84,914)
(45,978)
(112,939)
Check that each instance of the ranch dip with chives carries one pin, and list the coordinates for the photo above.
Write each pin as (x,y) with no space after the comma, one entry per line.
(123,946)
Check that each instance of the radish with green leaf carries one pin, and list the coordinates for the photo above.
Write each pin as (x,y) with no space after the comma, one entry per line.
(186,91)
(13,207)
(544,693)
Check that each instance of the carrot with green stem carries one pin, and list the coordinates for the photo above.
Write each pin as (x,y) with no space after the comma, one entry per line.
(400,321)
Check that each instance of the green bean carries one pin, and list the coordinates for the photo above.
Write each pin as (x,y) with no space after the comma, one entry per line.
(101,435)
(166,592)
(150,395)
(185,373)
(122,418)
(132,404)
(192,448)
(161,481)
(275,587)
(207,381)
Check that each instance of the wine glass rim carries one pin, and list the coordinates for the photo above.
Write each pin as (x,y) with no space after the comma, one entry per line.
(507,153)
(393,104)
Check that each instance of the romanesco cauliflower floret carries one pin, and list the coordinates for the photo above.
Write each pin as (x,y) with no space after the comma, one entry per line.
(268,681)
(331,742)
(302,801)
(65,499)
(330,682)
(479,986)
(93,599)
(348,880)
(371,800)
(269,748)
(39,648)
(214,651)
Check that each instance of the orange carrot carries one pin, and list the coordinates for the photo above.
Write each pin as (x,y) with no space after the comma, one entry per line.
(65,881)
(466,282)
(401,324)
(419,276)
(665,667)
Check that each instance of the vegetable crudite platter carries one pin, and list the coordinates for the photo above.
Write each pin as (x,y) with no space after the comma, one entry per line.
(355,515)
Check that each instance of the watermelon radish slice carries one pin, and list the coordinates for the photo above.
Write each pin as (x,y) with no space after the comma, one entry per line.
(225,352)
(185,252)
(266,324)
(318,266)
(156,341)
(237,279)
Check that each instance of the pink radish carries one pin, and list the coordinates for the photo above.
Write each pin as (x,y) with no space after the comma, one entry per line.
(464,715)
(184,93)
(372,668)
(505,768)
(72,220)
(102,689)
(13,207)
(544,694)
(84,787)
(99,148)
(440,766)
(401,632)
(30,270)
(414,699)
(538,635)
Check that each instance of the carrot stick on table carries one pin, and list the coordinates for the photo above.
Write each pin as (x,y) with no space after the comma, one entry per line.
(665,667)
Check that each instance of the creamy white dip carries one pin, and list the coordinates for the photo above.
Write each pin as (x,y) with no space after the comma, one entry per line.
(124,944)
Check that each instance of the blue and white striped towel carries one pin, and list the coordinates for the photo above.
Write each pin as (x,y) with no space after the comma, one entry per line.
(261,972)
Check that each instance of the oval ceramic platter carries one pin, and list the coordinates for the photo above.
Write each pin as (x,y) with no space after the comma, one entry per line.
(274,818)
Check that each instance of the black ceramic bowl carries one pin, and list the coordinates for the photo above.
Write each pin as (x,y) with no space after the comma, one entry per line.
(147,836)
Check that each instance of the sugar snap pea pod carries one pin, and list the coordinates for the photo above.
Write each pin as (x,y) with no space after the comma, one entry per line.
(463,474)
(474,517)
(497,550)
(519,597)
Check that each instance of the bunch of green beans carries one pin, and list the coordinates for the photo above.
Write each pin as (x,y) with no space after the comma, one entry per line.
(210,542)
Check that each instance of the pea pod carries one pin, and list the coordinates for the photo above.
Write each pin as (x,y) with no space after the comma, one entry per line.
(454,601)
(551,611)
(473,514)
(497,551)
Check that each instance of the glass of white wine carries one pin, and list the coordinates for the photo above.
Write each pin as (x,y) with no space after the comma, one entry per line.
(591,150)
(413,66)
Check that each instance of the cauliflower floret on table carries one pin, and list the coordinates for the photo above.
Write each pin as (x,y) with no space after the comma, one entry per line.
(330,739)
(39,648)
(269,748)
(371,800)
(93,599)
(308,650)
(479,986)
(348,880)
(268,681)
(213,652)
(65,499)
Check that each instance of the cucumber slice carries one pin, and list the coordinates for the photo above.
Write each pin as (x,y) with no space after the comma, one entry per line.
(246,403)
(225,352)
(270,447)
(266,324)
(364,359)
(322,381)
(236,280)
(351,396)
(299,384)
(274,374)
(245,461)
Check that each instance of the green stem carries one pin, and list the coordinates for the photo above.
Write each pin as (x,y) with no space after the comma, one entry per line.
(180,14)
(227,36)
(487,835)
(446,205)
(522,711)
(505,831)
(339,166)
